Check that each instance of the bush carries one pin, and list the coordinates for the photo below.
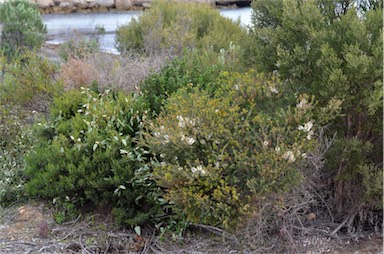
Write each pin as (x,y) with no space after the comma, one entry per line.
(22,27)
(333,50)
(220,153)
(15,143)
(87,155)
(182,71)
(173,27)
(29,83)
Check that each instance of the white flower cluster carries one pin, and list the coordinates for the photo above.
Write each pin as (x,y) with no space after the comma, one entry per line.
(273,89)
(198,170)
(159,134)
(302,104)
(288,155)
(307,128)
(188,140)
(184,121)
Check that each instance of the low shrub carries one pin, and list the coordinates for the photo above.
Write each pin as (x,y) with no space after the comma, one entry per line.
(220,153)
(86,154)
(29,82)
(172,27)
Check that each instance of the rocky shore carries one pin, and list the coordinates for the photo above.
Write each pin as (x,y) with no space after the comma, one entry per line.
(88,6)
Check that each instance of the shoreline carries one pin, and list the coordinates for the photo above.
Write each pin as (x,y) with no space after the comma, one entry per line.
(109,6)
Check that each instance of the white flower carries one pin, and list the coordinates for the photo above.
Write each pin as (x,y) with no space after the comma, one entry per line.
(303,155)
(166,139)
(274,90)
(288,155)
(308,126)
(190,141)
(277,149)
(265,143)
(302,104)
(309,136)
(198,170)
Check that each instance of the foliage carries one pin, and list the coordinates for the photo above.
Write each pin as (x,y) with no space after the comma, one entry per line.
(332,50)
(182,71)
(22,27)
(173,27)
(79,47)
(28,81)
(87,155)
(218,154)
(15,144)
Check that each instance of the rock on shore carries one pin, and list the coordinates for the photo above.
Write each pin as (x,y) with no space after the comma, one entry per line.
(68,6)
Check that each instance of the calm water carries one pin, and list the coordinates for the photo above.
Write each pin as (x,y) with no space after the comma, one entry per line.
(62,26)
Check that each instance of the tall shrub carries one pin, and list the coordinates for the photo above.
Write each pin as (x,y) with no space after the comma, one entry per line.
(22,27)
(333,50)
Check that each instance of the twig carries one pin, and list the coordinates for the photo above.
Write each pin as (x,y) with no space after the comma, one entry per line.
(217,231)
(82,246)
(148,242)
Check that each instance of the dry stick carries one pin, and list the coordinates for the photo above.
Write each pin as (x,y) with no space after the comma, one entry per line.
(218,231)
(350,215)
(82,246)
(148,242)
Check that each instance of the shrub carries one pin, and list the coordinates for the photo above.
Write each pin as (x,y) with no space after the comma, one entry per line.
(29,82)
(79,47)
(220,153)
(87,155)
(77,73)
(22,27)
(333,50)
(15,143)
(182,71)
(172,27)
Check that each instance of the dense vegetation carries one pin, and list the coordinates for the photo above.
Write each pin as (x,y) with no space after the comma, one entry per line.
(241,129)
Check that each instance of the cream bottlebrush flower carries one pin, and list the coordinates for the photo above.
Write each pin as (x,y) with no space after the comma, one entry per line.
(288,155)
(189,140)
(273,90)
(302,104)
(198,170)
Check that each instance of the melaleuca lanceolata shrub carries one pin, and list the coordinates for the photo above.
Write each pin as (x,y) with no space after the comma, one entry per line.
(219,154)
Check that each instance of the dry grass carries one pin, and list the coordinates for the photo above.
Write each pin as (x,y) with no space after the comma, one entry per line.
(124,72)
(76,73)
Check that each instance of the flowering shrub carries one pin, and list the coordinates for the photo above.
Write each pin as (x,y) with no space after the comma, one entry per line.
(218,155)
(86,155)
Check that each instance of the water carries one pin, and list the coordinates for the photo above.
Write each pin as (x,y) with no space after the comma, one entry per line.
(61,27)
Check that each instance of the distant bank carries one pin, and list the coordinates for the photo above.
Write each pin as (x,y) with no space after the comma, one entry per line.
(89,6)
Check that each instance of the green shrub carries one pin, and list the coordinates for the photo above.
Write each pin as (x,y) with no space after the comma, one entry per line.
(28,83)
(182,71)
(78,47)
(22,27)
(87,155)
(15,143)
(333,50)
(219,153)
(172,27)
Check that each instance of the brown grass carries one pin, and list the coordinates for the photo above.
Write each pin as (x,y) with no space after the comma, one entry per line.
(76,73)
